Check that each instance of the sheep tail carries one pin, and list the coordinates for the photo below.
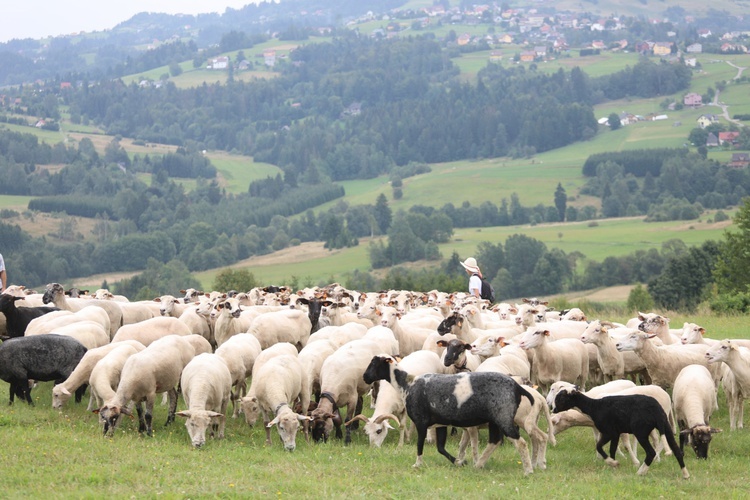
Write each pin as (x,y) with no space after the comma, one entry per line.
(526,394)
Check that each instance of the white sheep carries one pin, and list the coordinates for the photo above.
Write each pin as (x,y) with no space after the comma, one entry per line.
(55,293)
(613,363)
(239,353)
(694,398)
(105,376)
(665,362)
(206,384)
(275,388)
(659,326)
(737,386)
(57,319)
(169,305)
(409,339)
(563,359)
(89,333)
(154,370)
(136,312)
(312,357)
(198,323)
(293,326)
(339,335)
(62,392)
(151,330)
(249,403)
(388,406)
(229,320)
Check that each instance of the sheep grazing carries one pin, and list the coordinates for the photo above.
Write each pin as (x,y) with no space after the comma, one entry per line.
(737,382)
(206,384)
(614,415)
(239,353)
(78,378)
(18,318)
(388,406)
(105,375)
(275,388)
(694,395)
(41,358)
(154,370)
(463,400)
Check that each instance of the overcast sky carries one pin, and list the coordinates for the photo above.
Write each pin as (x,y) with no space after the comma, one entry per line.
(40,18)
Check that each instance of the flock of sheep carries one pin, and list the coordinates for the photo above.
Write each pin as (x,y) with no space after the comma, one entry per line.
(430,360)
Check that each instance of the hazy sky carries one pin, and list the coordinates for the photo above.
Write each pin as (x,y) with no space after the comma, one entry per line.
(40,18)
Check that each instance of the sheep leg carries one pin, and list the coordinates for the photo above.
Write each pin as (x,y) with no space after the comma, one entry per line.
(495,436)
(627,443)
(604,439)
(421,435)
(643,440)
(441,433)
(462,447)
(80,392)
(613,450)
(538,446)
(740,413)
(149,416)
(172,393)
(523,452)
(268,431)
(141,418)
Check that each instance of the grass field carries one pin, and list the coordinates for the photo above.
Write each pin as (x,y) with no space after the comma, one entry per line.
(61,454)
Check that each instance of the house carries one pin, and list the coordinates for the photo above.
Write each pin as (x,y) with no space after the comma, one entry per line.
(662,48)
(712,141)
(598,44)
(691,62)
(528,56)
(740,160)
(728,138)
(692,99)
(706,120)
(269,58)
(221,62)
(496,56)
(694,48)
(540,51)
(463,39)
(505,38)
(704,33)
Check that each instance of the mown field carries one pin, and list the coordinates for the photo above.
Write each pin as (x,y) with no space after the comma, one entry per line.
(62,454)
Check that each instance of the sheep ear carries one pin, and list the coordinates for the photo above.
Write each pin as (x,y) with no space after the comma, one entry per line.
(302,418)
(703,331)
(272,422)
(651,335)
(714,430)
(442,343)
(214,414)
(185,414)
(685,432)
(65,391)
(546,333)
(157,299)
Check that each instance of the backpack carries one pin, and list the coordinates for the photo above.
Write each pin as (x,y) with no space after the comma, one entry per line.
(488,291)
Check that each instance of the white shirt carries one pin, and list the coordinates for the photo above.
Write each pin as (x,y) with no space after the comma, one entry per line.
(475,283)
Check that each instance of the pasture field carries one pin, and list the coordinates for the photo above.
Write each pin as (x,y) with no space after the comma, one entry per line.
(310,263)
(50,453)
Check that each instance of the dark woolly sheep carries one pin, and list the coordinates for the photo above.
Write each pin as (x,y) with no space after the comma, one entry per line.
(41,358)
(614,415)
(463,400)
(18,318)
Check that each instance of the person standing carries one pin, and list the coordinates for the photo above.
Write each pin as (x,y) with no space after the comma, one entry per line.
(475,276)
(3,275)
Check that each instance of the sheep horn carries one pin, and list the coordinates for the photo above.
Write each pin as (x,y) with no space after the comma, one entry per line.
(357,417)
(391,416)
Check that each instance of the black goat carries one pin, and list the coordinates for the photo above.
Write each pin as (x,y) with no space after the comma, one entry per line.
(635,414)
(39,357)
(463,400)
(18,318)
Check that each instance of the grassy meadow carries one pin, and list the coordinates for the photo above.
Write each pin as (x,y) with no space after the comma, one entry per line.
(63,454)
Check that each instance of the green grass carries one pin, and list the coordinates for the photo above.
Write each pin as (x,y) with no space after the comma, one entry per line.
(62,454)
(239,171)
(18,203)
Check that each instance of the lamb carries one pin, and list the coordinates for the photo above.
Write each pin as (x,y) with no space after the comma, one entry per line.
(694,397)
(151,330)
(275,387)
(206,384)
(239,353)
(665,362)
(738,360)
(614,415)
(41,358)
(105,375)
(154,370)
(388,406)
(18,318)
(80,375)
(564,359)
(463,400)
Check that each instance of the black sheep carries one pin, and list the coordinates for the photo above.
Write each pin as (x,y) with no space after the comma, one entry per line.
(635,414)
(18,318)
(39,357)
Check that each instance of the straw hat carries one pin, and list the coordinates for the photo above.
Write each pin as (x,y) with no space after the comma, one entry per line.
(470,264)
